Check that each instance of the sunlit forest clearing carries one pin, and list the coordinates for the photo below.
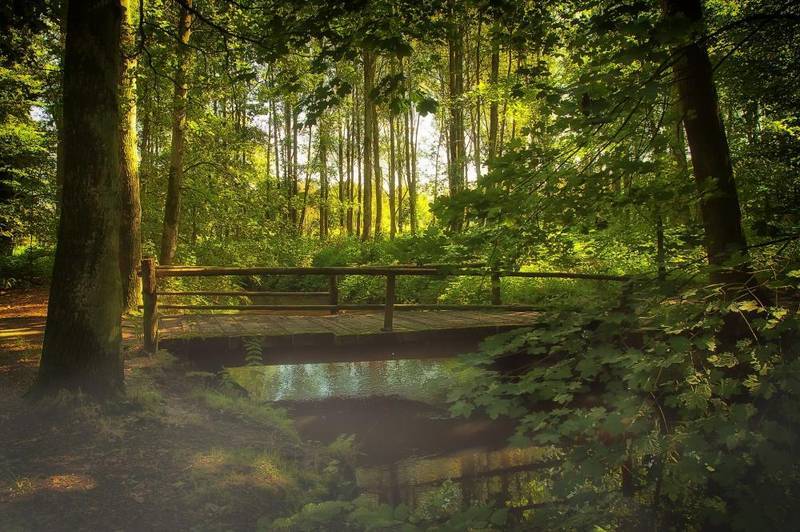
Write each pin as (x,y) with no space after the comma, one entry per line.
(399,265)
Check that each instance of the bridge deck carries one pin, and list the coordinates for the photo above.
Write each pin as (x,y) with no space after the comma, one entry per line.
(353,332)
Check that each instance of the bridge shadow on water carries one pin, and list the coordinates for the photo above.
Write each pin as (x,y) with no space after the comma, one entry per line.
(396,411)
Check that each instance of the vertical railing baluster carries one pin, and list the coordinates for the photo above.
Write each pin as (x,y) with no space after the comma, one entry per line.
(496,300)
(388,314)
(333,294)
(150,301)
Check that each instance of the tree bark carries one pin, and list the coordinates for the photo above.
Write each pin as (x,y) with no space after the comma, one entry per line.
(172,211)
(493,115)
(369,80)
(131,214)
(392,180)
(376,161)
(456,151)
(342,180)
(350,130)
(725,242)
(302,222)
(477,122)
(324,189)
(276,142)
(412,174)
(83,334)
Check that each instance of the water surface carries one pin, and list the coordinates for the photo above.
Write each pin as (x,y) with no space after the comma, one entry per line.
(397,412)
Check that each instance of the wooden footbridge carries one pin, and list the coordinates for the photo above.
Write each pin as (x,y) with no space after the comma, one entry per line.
(318,321)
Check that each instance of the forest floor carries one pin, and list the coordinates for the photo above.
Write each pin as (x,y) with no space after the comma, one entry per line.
(168,458)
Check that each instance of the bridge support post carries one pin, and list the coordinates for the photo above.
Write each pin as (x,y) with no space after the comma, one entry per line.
(388,313)
(333,293)
(150,300)
(496,300)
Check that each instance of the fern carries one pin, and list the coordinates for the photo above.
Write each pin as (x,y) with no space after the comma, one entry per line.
(253,351)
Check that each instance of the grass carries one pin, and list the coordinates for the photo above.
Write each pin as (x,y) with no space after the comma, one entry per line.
(246,409)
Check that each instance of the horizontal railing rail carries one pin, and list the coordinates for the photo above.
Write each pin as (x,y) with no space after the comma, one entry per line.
(151,273)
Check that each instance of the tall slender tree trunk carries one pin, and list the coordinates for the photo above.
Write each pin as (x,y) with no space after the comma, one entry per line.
(719,202)
(493,107)
(376,161)
(456,151)
(172,211)
(276,142)
(369,108)
(83,334)
(131,213)
(661,254)
(302,222)
(401,166)
(359,145)
(477,123)
(324,188)
(504,114)
(295,166)
(287,162)
(412,173)
(392,177)
(350,130)
(342,179)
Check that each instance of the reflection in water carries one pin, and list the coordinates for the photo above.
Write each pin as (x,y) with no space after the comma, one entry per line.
(417,380)
(409,445)
(482,476)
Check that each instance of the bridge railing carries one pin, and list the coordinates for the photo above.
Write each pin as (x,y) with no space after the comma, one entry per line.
(151,273)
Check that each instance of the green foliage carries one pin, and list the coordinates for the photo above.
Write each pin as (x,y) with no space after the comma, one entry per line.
(226,401)
(365,514)
(662,421)
(25,267)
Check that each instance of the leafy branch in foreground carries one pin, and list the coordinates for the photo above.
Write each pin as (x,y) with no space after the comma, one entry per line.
(660,423)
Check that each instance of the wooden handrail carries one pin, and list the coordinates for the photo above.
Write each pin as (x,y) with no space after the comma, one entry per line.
(150,273)
(239,293)
(379,271)
(213,271)
(353,306)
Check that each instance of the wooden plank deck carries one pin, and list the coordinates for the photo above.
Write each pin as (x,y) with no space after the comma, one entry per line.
(344,336)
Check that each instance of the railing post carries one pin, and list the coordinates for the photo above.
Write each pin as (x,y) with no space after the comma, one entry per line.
(333,293)
(150,301)
(496,288)
(388,313)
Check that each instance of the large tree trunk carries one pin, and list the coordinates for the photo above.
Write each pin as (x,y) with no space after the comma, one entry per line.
(131,228)
(172,211)
(83,334)
(369,108)
(708,145)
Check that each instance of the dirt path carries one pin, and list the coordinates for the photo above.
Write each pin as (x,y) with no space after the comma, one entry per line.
(163,461)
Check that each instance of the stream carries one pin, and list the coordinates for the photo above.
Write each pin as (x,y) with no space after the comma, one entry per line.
(397,412)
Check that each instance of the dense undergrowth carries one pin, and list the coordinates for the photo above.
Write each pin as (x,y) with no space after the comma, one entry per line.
(660,413)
